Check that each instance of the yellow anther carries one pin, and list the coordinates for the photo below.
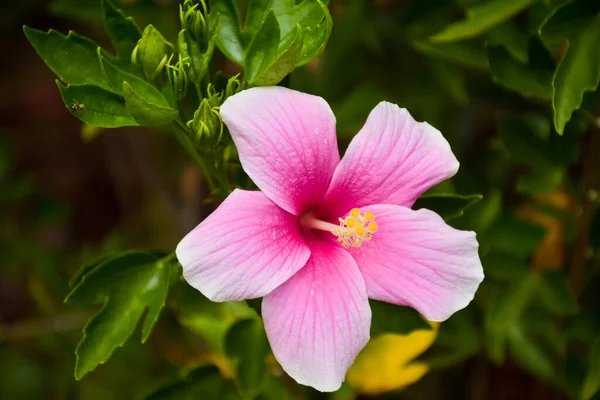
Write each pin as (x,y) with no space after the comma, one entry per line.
(355,228)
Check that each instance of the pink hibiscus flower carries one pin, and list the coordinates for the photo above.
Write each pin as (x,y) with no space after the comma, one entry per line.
(323,235)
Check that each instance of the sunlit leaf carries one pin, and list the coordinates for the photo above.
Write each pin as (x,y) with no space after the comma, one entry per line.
(387,362)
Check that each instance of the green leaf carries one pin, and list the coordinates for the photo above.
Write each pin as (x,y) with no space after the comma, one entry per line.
(540,181)
(230,39)
(317,27)
(239,43)
(122,30)
(523,144)
(85,268)
(506,309)
(510,304)
(578,71)
(482,18)
(275,389)
(532,79)
(284,64)
(390,318)
(591,384)
(247,346)
(515,237)
(145,112)
(116,77)
(128,286)
(468,53)
(447,205)
(212,321)
(457,340)
(262,51)
(513,40)
(202,383)
(556,294)
(528,353)
(73,58)
(453,81)
(504,267)
(96,106)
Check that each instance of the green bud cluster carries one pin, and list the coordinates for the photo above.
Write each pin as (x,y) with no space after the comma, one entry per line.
(207,125)
(196,40)
(193,18)
(152,52)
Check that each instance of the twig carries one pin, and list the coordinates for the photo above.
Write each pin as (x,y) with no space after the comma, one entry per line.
(591,186)
(38,327)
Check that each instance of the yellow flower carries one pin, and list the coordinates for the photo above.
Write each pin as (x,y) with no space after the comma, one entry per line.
(385,364)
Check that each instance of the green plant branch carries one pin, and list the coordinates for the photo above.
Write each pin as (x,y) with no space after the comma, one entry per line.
(181,132)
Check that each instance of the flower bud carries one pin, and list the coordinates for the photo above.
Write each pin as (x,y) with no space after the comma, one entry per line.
(234,85)
(152,52)
(178,78)
(207,125)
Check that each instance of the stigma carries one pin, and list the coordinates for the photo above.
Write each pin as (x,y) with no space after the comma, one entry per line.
(353,230)
(356,228)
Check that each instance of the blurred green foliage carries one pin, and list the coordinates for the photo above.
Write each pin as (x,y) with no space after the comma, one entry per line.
(511,84)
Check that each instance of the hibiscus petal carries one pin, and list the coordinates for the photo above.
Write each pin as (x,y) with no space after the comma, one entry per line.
(392,160)
(318,321)
(244,249)
(415,259)
(287,143)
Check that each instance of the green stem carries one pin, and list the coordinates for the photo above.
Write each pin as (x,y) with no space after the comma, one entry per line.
(181,132)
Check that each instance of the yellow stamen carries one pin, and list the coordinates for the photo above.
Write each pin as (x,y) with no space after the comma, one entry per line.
(373,226)
(352,231)
(356,228)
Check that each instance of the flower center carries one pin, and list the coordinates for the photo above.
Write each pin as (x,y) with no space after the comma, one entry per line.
(352,231)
